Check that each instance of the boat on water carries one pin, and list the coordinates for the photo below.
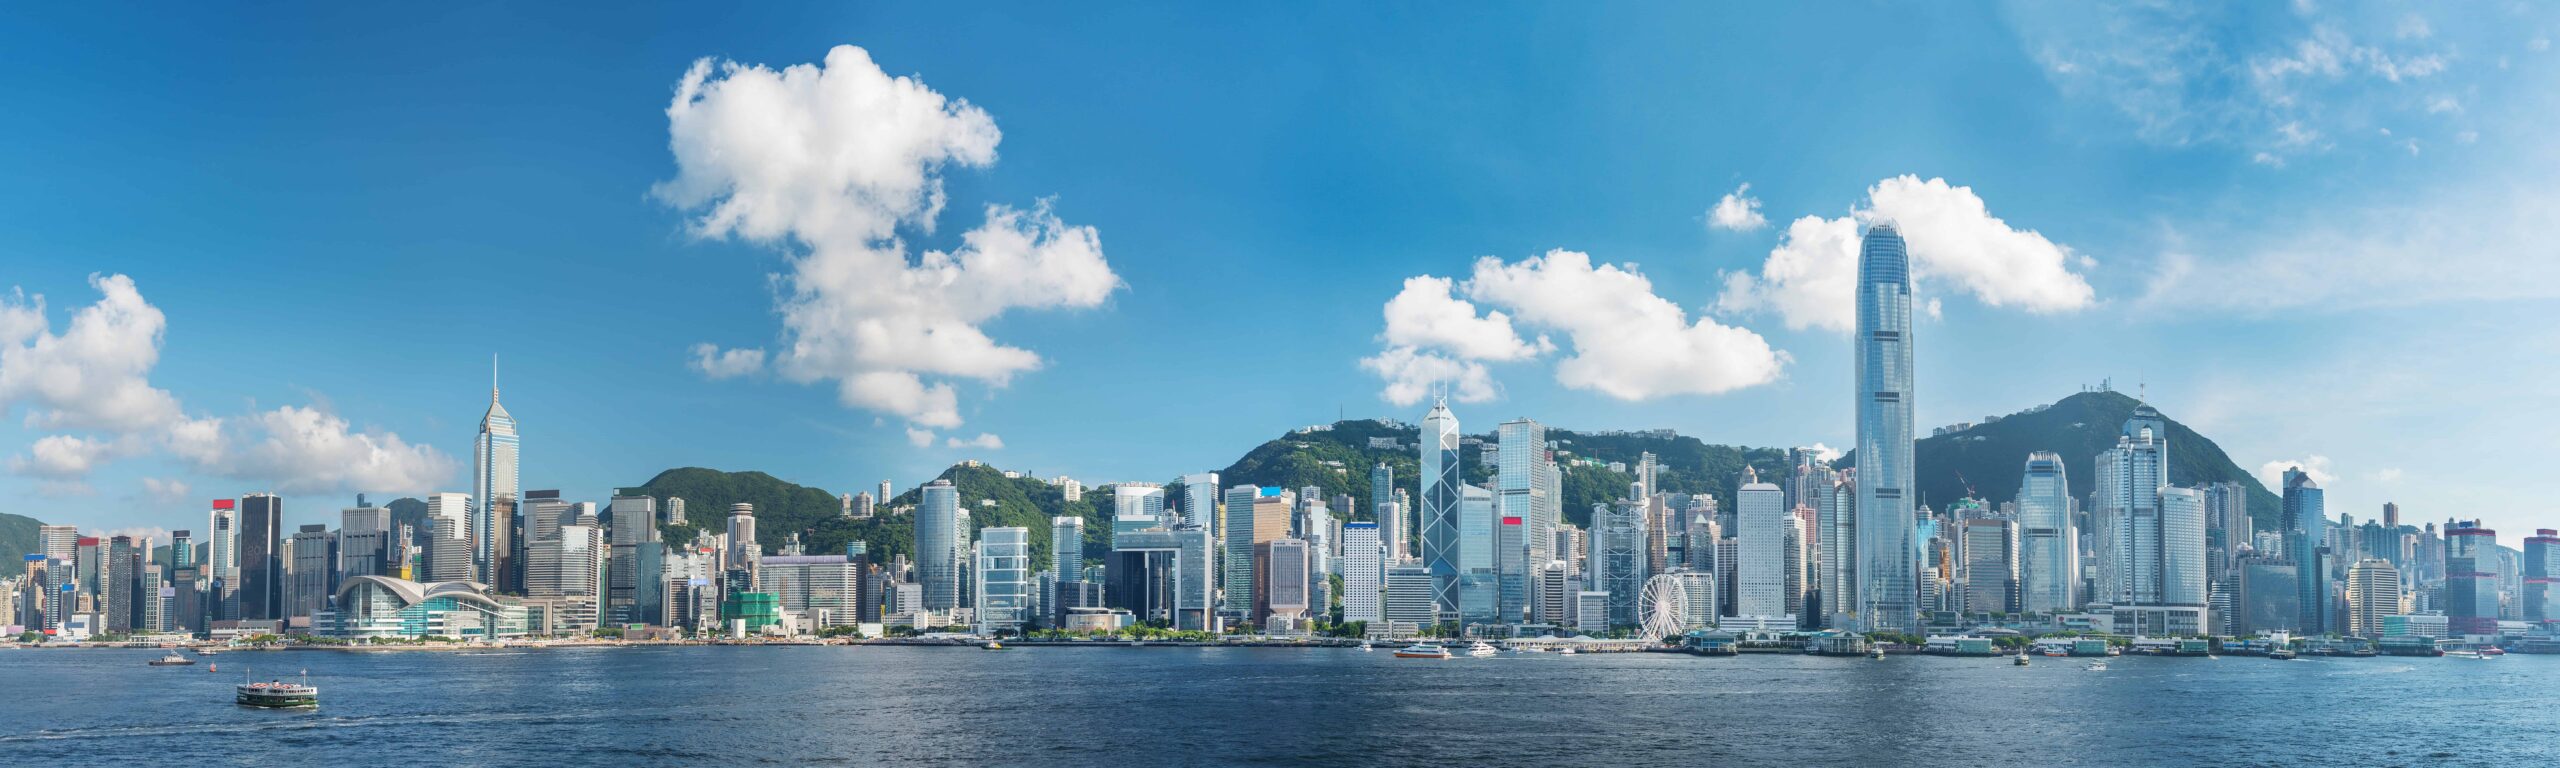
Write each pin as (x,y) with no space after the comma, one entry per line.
(1423,651)
(993,646)
(172,660)
(2097,666)
(1568,651)
(2021,659)
(1365,647)
(2282,654)
(2468,653)
(1875,653)
(1481,650)
(278,695)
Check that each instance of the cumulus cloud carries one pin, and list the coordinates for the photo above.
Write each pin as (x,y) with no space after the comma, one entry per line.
(61,457)
(984,440)
(1622,340)
(166,490)
(718,363)
(834,161)
(1810,278)
(1823,452)
(93,375)
(921,438)
(1737,211)
(2315,465)
(306,450)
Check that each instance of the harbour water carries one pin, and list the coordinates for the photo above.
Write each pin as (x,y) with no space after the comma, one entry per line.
(1224,706)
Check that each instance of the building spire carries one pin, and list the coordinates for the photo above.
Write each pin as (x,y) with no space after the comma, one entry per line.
(493,378)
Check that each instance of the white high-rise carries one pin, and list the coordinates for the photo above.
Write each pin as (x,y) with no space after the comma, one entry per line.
(493,479)
(1760,578)
(1887,584)
(1364,573)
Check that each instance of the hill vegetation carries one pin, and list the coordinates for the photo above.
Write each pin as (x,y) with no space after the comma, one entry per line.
(17,538)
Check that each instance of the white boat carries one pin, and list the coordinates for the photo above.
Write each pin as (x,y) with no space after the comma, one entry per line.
(277,695)
(1365,647)
(2022,659)
(1423,651)
(172,660)
(1568,651)
(1480,650)
(2097,666)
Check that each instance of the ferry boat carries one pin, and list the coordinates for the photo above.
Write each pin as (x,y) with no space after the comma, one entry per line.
(1480,650)
(2281,653)
(172,660)
(1423,651)
(1875,653)
(1568,651)
(278,695)
(2022,659)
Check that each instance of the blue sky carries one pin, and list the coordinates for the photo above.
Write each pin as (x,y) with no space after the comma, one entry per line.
(2313,232)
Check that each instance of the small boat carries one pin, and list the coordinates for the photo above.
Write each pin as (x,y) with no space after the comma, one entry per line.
(1480,650)
(2281,654)
(278,695)
(1875,653)
(993,646)
(212,667)
(2097,666)
(2469,653)
(173,660)
(1568,651)
(1423,651)
(2022,660)
(1365,647)
(2493,651)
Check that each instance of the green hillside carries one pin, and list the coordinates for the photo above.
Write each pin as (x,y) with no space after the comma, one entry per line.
(783,508)
(1992,457)
(17,540)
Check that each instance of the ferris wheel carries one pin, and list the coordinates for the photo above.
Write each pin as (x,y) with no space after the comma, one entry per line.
(1664,604)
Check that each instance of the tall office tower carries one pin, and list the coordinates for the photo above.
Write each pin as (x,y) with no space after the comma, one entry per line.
(1003,578)
(2048,547)
(364,541)
(1364,572)
(261,565)
(2373,591)
(493,477)
(1066,547)
(1136,500)
(2471,578)
(2126,512)
(1408,602)
(1840,551)
(1382,489)
(2169,597)
(744,552)
(90,574)
(1393,529)
(2227,527)
(1573,546)
(1440,497)
(1200,500)
(634,579)
(827,589)
(1760,517)
(1283,581)
(118,596)
(2390,514)
(1556,589)
(506,541)
(2542,576)
(1479,584)
(315,568)
(60,542)
(1791,547)
(1699,551)
(1524,492)
(450,547)
(1648,476)
(182,549)
(1255,515)
(1657,527)
(1617,563)
(544,513)
(2306,539)
(1887,591)
(885,494)
(675,509)
(1988,559)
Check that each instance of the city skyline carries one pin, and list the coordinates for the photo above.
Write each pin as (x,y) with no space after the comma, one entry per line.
(328,380)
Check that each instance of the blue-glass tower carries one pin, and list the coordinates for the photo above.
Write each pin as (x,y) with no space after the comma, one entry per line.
(1887,585)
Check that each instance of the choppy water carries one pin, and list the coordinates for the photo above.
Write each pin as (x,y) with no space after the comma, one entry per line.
(1120,706)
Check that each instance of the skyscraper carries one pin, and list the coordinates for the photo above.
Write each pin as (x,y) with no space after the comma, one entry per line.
(1066,547)
(449,542)
(261,564)
(1200,500)
(1987,543)
(2049,549)
(2542,576)
(1887,590)
(1003,579)
(2126,517)
(2471,579)
(937,545)
(1760,574)
(635,574)
(2373,591)
(1440,500)
(1524,493)
(2306,538)
(1364,573)
(493,478)
(1617,562)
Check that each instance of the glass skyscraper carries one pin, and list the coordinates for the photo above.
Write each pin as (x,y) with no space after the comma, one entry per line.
(2049,550)
(1525,494)
(1440,483)
(493,482)
(2306,538)
(1887,593)
(937,550)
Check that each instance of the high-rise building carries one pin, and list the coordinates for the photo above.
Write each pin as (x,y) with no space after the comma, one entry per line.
(1283,581)
(1364,573)
(1479,583)
(1839,518)
(1066,547)
(1382,492)
(635,577)
(1617,562)
(1887,592)
(2048,547)
(1003,579)
(1200,500)
(450,544)
(364,541)
(1409,597)
(261,562)
(1987,545)
(2471,578)
(825,589)
(2227,528)
(2542,576)
(2306,539)
(1556,588)
(493,478)
(2125,516)
(744,551)
(1440,500)
(1524,491)
(2373,591)
(2266,596)
(1760,517)
(313,576)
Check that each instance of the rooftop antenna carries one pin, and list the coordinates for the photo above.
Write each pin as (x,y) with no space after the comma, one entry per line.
(493,377)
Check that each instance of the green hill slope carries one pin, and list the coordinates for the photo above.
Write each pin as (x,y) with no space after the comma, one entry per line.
(1992,457)
(17,540)
(783,508)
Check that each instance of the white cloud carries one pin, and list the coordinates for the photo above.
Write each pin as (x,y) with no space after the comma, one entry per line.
(837,159)
(2389,475)
(717,363)
(1810,278)
(1737,211)
(1624,341)
(2317,466)
(305,450)
(921,438)
(984,440)
(1425,314)
(95,374)
(1824,452)
(2486,241)
(166,489)
(62,457)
